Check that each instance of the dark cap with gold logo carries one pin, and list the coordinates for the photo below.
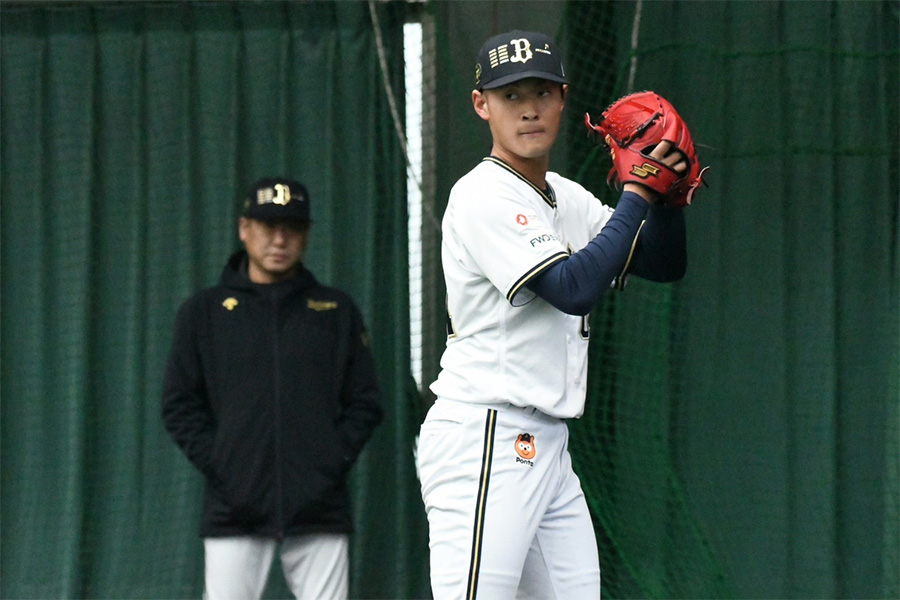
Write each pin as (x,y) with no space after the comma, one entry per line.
(516,55)
(277,199)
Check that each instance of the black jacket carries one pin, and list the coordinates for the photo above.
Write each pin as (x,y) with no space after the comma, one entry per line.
(270,392)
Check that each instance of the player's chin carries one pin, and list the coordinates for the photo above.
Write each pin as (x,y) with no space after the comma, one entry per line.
(535,152)
(278,265)
(536,147)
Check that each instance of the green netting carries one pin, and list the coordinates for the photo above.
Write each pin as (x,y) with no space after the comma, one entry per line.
(652,545)
(714,450)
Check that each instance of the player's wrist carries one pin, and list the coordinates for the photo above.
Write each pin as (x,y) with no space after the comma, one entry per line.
(643,191)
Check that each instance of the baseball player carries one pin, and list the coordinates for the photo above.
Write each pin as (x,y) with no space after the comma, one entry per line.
(526,253)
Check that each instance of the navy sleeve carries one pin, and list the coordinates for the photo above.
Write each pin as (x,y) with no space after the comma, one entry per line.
(661,251)
(576,284)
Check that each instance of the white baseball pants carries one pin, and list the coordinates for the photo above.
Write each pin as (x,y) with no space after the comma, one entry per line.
(507,517)
(316,567)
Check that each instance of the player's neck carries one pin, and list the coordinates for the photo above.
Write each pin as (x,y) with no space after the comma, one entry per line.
(533,169)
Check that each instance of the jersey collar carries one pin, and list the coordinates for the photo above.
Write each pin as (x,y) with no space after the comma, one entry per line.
(547,196)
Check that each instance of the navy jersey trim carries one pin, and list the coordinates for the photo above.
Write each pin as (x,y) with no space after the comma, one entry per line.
(549,198)
(535,270)
(490,426)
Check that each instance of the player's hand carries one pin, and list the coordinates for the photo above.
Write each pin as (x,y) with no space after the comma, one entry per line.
(650,145)
(670,156)
(666,153)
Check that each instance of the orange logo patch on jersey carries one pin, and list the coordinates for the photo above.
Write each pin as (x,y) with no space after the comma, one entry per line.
(525,446)
(521,219)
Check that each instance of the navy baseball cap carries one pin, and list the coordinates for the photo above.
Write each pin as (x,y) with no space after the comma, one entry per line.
(277,199)
(516,55)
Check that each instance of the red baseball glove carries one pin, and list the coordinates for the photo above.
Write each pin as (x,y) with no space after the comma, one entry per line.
(632,127)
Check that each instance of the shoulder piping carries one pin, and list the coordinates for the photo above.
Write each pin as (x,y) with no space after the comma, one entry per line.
(502,163)
(532,272)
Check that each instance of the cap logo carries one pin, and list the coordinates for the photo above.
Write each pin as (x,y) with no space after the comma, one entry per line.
(523,50)
(500,55)
(279,194)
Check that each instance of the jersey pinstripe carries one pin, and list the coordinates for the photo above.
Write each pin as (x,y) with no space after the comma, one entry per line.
(504,344)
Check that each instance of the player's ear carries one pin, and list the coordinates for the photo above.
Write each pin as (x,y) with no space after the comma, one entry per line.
(564,91)
(479,102)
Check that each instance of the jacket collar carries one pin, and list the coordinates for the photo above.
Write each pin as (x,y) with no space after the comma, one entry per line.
(234,276)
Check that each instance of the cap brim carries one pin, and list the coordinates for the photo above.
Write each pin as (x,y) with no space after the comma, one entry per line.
(273,218)
(513,77)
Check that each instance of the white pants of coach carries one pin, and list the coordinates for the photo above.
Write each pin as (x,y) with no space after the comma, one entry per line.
(501,525)
(316,567)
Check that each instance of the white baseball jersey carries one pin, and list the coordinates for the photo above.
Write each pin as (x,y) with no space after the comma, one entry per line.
(505,344)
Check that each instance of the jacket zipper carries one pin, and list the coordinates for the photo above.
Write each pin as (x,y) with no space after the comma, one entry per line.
(276,400)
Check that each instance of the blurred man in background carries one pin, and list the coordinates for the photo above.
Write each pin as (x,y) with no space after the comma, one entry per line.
(270,391)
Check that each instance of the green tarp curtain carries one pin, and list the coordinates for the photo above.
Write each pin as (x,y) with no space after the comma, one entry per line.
(129,130)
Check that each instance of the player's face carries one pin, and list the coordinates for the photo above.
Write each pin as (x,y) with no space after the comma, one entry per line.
(524,118)
(274,248)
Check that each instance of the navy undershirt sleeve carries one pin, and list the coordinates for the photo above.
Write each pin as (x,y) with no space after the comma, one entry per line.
(576,284)
(661,252)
